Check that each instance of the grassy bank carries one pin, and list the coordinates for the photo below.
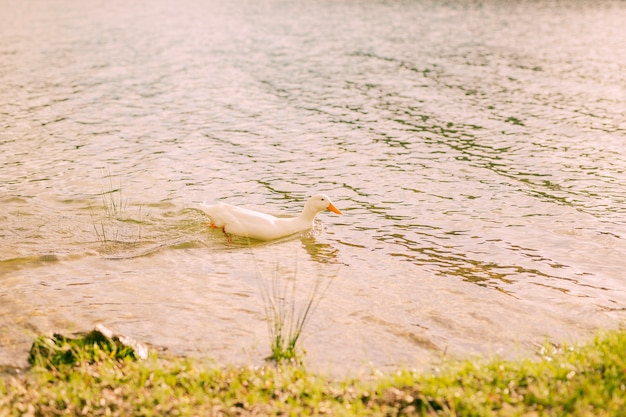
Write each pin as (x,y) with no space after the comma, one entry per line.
(582,381)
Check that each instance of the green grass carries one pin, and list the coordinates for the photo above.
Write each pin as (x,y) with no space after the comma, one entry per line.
(568,381)
(60,351)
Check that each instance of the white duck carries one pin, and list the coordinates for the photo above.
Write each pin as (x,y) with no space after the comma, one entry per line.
(256,225)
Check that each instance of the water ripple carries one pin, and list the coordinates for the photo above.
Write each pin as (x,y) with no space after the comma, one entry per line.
(477,153)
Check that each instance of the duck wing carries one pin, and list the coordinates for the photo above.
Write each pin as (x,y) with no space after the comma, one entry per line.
(248,223)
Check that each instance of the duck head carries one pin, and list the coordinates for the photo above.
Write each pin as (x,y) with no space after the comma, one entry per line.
(321,202)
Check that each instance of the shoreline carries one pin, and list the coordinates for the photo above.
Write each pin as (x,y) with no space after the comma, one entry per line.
(105,378)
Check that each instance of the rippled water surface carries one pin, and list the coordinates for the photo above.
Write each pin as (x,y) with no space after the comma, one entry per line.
(475,148)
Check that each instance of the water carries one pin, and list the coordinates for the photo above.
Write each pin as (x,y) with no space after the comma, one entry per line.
(475,148)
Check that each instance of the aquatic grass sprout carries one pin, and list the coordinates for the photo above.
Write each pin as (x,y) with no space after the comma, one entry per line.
(113,202)
(285,319)
(112,223)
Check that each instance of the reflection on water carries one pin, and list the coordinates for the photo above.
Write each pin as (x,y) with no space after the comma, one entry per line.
(476,152)
(320,251)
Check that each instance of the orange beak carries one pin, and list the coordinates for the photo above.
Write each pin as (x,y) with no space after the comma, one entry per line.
(334,209)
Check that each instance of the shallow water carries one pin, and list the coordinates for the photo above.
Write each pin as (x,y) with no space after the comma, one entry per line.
(475,148)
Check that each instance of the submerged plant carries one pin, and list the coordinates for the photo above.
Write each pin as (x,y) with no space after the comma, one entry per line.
(285,320)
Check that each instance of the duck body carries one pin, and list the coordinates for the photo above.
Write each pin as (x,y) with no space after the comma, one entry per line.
(253,224)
